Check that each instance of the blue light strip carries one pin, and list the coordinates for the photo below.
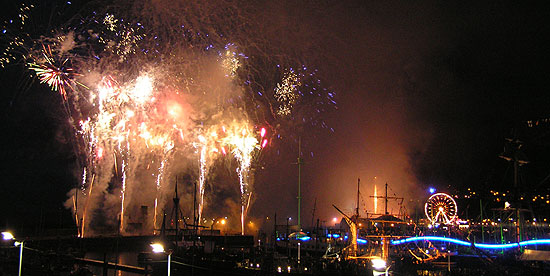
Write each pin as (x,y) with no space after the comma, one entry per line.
(430,238)
(465,243)
(534,242)
(496,246)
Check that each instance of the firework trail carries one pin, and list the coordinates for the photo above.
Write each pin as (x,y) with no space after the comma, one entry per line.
(84,214)
(160,175)
(244,144)
(122,194)
(202,176)
(202,149)
(142,84)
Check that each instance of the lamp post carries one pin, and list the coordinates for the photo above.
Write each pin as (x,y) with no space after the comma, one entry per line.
(9,236)
(299,245)
(20,255)
(221,220)
(159,248)
(379,266)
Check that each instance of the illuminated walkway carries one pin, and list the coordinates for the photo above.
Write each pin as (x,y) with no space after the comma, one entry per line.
(477,245)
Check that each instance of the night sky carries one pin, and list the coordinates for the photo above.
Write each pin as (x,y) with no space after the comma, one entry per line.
(427,93)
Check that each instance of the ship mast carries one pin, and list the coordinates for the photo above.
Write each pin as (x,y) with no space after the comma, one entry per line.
(512,154)
(299,183)
(176,200)
(357,208)
(386,200)
(386,197)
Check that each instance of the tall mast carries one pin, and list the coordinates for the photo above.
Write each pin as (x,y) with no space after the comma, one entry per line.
(194,209)
(357,208)
(386,197)
(299,182)
(386,200)
(512,154)
(313,212)
(176,206)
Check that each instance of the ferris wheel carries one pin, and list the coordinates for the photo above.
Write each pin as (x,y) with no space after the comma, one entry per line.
(441,208)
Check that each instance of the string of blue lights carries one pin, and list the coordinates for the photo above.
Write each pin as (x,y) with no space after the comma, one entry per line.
(478,245)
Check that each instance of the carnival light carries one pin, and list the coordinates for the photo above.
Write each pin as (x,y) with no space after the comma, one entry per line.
(441,208)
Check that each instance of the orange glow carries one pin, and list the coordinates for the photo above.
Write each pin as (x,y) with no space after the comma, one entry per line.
(174,109)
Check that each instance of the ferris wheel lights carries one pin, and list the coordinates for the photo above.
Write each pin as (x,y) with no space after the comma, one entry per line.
(441,208)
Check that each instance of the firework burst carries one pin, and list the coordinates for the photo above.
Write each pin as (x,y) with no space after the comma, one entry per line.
(286,93)
(58,75)
(152,92)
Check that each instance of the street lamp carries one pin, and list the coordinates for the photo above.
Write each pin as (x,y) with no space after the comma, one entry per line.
(221,220)
(9,236)
(379,266)
(159,248)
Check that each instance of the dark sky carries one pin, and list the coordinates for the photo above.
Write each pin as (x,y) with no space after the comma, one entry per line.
(427,92)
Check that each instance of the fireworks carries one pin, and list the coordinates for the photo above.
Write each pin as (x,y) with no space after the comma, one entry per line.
(56,74)
(230,60)
(156,99)
(110,22)
(17,41)
(240,138)
(160,175)
(120,38)
(202,172)
(286,93)
(242,141)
